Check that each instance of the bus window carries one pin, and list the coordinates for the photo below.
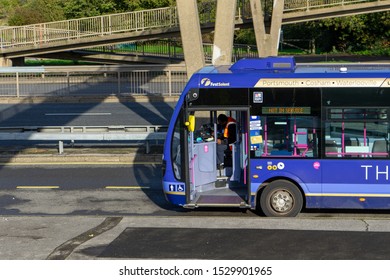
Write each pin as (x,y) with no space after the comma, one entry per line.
(285,136)
(357,132)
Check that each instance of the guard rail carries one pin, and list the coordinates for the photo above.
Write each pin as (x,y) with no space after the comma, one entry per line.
(142,133)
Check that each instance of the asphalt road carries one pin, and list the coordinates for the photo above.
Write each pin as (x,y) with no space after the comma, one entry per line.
(81,177)
(119,212)
(85,114)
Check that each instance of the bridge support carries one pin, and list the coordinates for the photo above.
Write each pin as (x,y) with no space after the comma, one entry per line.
(5,62)
(191,35)
(9,62)
(224,32)
(267,42)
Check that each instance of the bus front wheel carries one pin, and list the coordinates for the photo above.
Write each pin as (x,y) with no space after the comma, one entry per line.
(281,198)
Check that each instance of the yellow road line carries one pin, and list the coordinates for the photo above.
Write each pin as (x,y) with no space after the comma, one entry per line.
(126,187)
(37,187)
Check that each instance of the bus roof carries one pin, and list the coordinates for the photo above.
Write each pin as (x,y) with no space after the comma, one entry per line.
(284,72)
(287,64)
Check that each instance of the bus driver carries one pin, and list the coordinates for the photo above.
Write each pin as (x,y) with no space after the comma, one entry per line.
(226,136)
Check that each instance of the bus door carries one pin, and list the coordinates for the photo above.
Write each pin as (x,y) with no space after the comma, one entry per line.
(202,155)
(217,173)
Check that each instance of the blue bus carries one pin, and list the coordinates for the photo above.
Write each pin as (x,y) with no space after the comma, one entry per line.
(306,136)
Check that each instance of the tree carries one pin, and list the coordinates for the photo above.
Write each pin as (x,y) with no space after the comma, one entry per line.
(358,33)
(152,4)
(6,8)
(88,8)
(367,32)
(37,11)
(22,12)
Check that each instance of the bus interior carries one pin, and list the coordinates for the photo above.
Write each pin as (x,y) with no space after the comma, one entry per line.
(217,173)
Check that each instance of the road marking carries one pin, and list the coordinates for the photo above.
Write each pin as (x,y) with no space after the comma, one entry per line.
(37,187)
(78,114)
(127,187)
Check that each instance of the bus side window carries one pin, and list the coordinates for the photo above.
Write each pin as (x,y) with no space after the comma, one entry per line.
(291,136)
(380,148)
(331,148)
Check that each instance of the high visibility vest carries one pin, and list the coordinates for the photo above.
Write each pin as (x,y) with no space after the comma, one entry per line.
(226,130)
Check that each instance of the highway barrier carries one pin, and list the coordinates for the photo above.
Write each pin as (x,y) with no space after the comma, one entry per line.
(108,134)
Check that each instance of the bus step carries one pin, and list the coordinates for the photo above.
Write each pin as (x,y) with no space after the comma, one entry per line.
(244,205)
(222,182)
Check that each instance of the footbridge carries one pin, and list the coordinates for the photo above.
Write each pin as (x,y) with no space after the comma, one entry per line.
(186,20)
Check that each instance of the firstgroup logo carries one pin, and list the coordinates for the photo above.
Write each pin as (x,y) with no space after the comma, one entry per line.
(207,82)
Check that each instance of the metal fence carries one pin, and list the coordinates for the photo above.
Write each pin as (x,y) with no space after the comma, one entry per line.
(92,80)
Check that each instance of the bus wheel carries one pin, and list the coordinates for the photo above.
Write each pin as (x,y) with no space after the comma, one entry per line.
(281,198)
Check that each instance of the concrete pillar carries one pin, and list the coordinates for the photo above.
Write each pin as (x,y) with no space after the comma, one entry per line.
(259,26)
(267,43)
(224,32)
(276,25)
(191,35)
(5,62)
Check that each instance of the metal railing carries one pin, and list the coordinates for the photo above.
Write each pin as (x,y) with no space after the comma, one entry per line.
(139,133)
(68,31)
(307,5)
(119,81)
(169,49)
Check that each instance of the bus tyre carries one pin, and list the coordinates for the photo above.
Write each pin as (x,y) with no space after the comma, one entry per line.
(281,198)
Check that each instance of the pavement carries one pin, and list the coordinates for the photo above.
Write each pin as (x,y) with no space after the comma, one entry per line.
(82,154)
(110,238)
(77,158)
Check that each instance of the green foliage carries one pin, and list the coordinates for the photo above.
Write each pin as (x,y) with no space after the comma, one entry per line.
(22,12)
(245,36)
(152,4)
(54,62)
(37,11)
(368,33)
(89,8)
(6,7)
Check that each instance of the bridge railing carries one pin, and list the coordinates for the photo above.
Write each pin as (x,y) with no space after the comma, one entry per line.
(299,5)
(66,31)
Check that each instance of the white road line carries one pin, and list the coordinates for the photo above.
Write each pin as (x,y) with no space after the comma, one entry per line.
(78,114)
(126,187)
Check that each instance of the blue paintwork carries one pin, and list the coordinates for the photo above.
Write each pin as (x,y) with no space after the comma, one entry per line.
(334,183)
